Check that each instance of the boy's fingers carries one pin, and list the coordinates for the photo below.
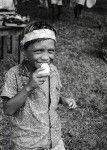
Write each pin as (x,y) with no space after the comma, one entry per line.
(42,75)
(74,105)
(36,74)
(40,69)
(41,82)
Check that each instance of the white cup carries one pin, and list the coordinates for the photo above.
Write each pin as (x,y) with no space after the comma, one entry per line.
(46,69)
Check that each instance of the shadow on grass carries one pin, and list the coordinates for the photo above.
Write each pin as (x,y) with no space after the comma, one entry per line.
(96,54)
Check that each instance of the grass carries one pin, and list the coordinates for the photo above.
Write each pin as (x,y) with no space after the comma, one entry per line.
(83,74)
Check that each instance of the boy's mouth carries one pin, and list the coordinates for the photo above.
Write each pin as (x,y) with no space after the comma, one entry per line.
(42,63)
(38,64)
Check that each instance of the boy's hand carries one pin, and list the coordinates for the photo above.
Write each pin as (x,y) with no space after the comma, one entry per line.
(71,103)
(37,79)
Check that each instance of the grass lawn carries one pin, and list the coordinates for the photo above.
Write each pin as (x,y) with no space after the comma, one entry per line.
(83,74)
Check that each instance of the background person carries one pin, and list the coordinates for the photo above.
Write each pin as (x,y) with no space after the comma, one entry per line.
(8,4)
(56,9)
(79,4)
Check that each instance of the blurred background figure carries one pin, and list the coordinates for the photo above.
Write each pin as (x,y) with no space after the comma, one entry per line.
(79,4)
(8,4)
(90,3)
(56,9)
(43,3)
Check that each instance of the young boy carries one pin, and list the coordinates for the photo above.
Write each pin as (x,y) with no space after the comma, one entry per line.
(31,96)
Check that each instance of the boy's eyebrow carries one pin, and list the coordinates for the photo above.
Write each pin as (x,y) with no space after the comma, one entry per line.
(50,49)
(38,50)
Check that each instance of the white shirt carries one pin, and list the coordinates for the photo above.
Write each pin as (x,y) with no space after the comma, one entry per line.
(57,2)
(81,2)
(90,3)
(7,4)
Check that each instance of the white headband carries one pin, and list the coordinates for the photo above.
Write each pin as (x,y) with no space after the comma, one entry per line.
(38,34)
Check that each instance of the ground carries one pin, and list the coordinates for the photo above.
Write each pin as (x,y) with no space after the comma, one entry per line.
(83,74)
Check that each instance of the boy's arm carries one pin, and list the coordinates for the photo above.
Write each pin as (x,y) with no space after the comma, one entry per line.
(16,100)
(12,99)
(11,105)
(70,102)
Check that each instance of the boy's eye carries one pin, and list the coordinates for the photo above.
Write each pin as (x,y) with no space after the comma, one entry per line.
(51,50)
(38,50)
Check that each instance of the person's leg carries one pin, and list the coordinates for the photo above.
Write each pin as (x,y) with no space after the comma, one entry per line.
(80,9)
(76,11)
(59,11)
(53,6)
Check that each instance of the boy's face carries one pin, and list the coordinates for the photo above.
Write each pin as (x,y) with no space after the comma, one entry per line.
(41,52)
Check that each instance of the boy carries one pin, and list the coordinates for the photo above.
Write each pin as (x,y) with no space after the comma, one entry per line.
(31,97)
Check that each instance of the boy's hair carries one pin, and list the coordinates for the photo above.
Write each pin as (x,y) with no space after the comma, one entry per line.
(36,26)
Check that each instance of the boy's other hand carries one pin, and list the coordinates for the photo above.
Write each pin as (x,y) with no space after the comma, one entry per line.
(71,103)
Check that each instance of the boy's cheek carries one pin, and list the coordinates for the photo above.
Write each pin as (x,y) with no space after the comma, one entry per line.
(52,56)
(36,56)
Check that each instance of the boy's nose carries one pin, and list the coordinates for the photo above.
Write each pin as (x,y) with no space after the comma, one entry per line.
(45,57)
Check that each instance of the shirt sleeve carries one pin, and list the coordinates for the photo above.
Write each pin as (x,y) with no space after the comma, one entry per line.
(10,87)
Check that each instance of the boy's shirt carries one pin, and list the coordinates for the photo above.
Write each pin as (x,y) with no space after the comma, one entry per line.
(35,124)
